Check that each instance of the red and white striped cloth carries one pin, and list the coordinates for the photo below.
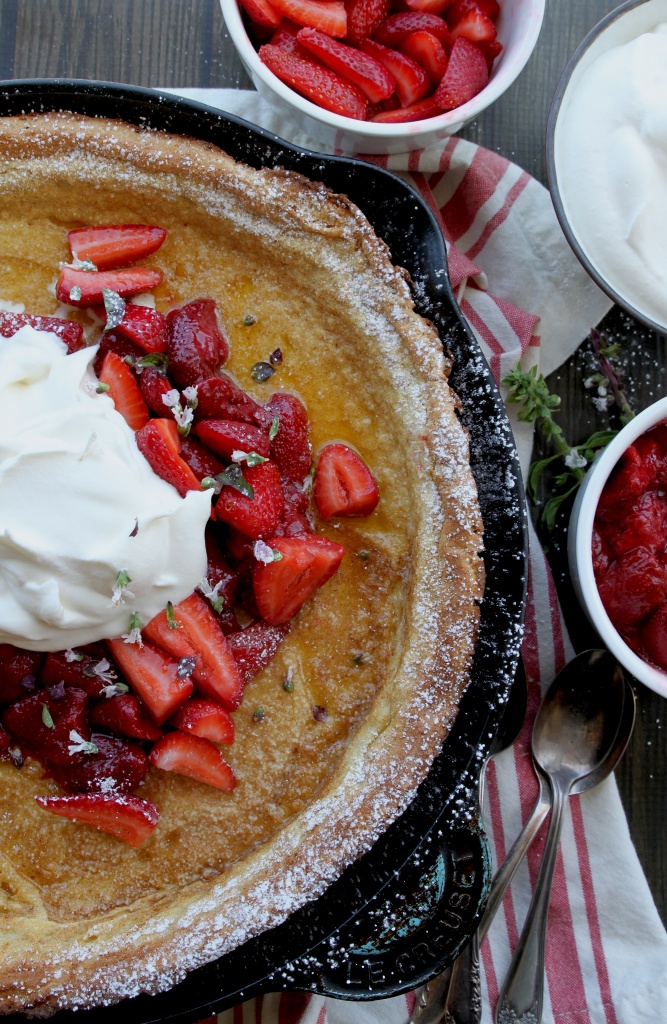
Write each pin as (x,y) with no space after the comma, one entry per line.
(526,299)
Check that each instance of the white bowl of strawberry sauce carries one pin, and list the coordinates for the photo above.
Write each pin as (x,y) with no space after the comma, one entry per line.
(504,32)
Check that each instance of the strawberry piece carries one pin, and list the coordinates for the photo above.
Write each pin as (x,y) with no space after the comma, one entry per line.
(219,573)
(412,82)
(476,27)
(459,8)
(364,17)
(215,674)
(170,640)
(205,718)
(16,667)
(154,385)
(395,29)
(115,245)
(255,646)
(145,326)
(158,442)
(92,282)
(224,437)
(290,448)
(44,724)
(194,756)
(343,485)
(415,112)
(256,517)
(124,714)
(653,635)
(429,52)
(126,817)
(125,764)
(430,6)
(295,495)
(286,37)
(491,51)
(467,73)
(328,16)
(219,398)
(112,341)
(293,523)
(364,71)
(153,675)
(196,345)
(124,391)
(67,330)
(315,82)
(80,674)
(201,461)
(282,587)
(261,12)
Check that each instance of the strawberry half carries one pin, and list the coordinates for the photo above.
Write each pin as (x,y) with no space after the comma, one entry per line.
(467,74)
(476,27)
(124,391)
(343,485)
(125,715)
(326,15)
(363,18)
(282,587)
(68,331)
(154,386)
(224,437)
(115,245)
(159,443)
(153,675)
(194,756)
(84,287)
(123,762)
(219,398)
(196,345)
(215,674)
(126,817)
(256,517)
(290,448)
(395,29)
(145,326)
(429,52)
(364,71)
(262,13)
(314,81)
(205,718)
(412,82)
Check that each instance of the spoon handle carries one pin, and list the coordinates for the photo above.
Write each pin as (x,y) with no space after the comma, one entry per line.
(523,993)
(506,872)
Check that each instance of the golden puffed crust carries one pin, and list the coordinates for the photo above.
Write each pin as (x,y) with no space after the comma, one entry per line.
(385,647)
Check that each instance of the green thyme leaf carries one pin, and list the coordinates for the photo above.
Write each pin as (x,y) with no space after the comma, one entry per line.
(47,718)
(275,427)
(172,621)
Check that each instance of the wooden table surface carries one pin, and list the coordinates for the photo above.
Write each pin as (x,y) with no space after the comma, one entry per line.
(184,43)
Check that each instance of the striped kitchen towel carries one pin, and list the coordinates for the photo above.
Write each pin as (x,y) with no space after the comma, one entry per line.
(526,298)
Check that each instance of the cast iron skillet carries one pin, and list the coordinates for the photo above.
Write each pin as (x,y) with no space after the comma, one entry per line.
(401,913)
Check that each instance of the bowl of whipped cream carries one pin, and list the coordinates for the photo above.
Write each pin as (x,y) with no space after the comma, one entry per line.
(607,157)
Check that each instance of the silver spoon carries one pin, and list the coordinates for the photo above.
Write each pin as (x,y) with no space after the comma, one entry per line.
(574,732)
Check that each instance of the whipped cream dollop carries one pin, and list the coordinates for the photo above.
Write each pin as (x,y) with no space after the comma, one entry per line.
(611,163)
(79,505)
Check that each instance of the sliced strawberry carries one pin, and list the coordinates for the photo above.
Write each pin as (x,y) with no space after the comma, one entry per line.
(201,460)
(428,51)
(315,82)
(145,326)
(172,640)
(215,674)
(343,485)
(224,437)
(159,446)
(395,29)
(196,346)
(415,112)
(430,6)
(282,587)
(126,817)
(364,71)
(256,517)
(255,646)
(219,398)
(124,391)
(117,765)
(467,73)
(115,245)
(68,331)
(286,37)
(153,675)
(363,18)
(194,756)
(290,448)
(43,723)
(78,671)
(18,671)
(205,718)
(91,283)
(125,716)
(326,15)
(459,8)
(412,82)
(491,51)
(476,27)
(262,13)
(112,341)
(154,386)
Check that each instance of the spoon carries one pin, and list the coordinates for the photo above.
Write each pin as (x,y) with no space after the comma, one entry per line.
(574,733)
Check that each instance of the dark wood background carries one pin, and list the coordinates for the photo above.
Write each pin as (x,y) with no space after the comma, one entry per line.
(184,43)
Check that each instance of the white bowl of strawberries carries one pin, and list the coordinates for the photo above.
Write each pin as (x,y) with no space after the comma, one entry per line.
(383,76)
